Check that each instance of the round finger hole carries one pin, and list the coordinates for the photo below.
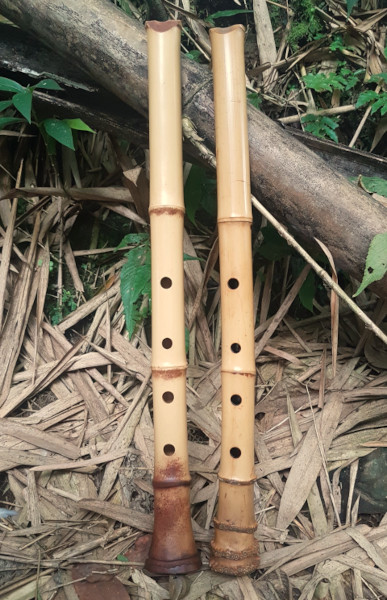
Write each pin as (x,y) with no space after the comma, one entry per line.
(168,397)
(235,348)
(166,282)
(233,283)
(236,399)
(235,452)
(169,449)
(167,343)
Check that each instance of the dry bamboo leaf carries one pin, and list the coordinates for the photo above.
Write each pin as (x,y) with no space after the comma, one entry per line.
(282,310)
(6,258)
(88,307)
(39,438)
(309,461)
(17,317)
(123,439)
(373,552)
(316,508)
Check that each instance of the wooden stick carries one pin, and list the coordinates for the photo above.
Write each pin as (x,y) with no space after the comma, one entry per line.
(234,548)
(173,549)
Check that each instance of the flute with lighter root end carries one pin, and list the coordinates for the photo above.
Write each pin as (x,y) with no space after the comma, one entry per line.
(234,548)
(173,548)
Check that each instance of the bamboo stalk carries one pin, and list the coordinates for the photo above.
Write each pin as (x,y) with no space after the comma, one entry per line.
(234,548)
(173,548)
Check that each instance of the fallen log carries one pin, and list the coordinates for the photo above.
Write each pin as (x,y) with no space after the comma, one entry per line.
(298,187)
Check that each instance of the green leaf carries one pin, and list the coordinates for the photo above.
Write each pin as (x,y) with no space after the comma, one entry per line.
(78,124)
(378,78)
(307,291)
(47,84)
(5,104)
(135,282)
(226,13)
(132,239)
(194,55)
(366,98)
(376,263)
(4,121)
(318,82)
(23,103)
(379,104)
(122,558)
(255,99)
(188,257)
(7,85)
(59,131)
(374,185)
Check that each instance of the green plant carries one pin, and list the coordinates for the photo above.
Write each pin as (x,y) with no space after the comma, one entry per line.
(373,185)
(255,99)
(321,126)
(345,79)
(68,305)
(306,25)
(376,262)
(378,100)
(221,14)
(53,130)
(135,279)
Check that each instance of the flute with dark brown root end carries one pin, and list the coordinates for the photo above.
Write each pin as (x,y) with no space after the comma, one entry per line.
(234,548)
(173,548)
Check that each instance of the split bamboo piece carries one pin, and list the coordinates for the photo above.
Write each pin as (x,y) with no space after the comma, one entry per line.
(234,548)
(173,548)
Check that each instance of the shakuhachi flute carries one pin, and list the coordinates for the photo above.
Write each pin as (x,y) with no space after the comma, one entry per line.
(234,548)
(173,548)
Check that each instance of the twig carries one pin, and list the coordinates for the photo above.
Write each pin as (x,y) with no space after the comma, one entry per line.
(191,133)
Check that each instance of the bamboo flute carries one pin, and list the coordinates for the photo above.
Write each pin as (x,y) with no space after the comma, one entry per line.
(173,548)
(234,549)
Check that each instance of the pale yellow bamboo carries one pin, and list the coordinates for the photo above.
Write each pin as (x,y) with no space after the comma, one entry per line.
(234,548)
(173,549)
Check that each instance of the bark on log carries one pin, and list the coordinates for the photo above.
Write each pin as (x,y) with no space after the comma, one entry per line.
(298,187)
(22,56)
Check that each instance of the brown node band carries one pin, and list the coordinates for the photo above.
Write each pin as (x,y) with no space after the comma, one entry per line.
(229,527)
(236,482)
(170,483)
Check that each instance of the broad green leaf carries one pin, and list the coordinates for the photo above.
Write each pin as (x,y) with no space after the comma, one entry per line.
(135,282)
(47,84)
(255,99)
(23,103)
(187,257)
(307,291)
(78,124)
(7,85)
(374,185)
(378,78)
(379,104)
(60,131)
(194,55)
(366,98)
(4,121)
(331,134)
(376,263)
(133,238)
(227,13)
(5,104)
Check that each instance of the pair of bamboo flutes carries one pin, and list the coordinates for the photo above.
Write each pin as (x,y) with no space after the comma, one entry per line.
(234,549)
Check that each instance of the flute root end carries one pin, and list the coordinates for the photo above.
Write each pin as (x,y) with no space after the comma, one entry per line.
(235,563)
(189,564)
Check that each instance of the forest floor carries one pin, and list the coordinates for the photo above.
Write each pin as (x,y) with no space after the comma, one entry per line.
(76,429)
